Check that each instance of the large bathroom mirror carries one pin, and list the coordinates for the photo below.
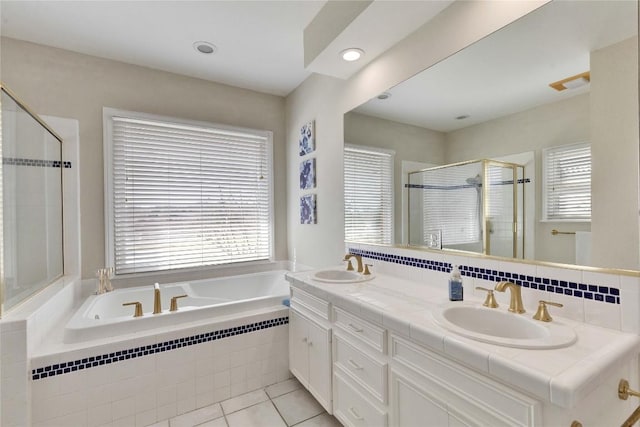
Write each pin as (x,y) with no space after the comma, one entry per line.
(493,100)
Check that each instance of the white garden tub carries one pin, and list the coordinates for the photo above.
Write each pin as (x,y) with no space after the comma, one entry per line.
(102,316)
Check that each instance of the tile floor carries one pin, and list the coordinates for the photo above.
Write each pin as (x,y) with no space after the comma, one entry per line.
(284,404)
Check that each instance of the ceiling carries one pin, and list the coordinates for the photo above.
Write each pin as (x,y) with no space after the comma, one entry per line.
(259,43)
(510,70)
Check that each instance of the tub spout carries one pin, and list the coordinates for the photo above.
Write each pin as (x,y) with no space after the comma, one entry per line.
(157,305)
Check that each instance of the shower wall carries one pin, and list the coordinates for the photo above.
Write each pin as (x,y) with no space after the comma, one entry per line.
(32,232)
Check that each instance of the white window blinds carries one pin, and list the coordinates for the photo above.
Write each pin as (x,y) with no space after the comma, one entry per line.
(451,204)
(185,195)
(368,195)
(567,182)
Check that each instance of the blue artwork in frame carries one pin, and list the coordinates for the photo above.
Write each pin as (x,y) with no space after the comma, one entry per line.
(308,174)
(307,141)
(308,209)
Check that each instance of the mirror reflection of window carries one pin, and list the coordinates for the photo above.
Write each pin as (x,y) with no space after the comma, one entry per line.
(567,183)
(368,194)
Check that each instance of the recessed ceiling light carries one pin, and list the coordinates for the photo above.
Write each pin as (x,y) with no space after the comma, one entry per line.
(204,47)
(384,95)
(351,54)
(462,117)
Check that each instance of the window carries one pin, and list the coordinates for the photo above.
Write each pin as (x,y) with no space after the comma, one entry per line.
(368,195)
(567,183)
(183,194)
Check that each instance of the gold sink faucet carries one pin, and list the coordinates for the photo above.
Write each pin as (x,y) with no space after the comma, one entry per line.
(157,304)
(358,258)
(515,305)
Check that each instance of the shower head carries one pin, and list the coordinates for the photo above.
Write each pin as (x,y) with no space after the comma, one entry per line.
(476,180)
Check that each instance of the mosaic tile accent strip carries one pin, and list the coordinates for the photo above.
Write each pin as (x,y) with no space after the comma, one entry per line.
(132,353)
(579,290)
(35,162)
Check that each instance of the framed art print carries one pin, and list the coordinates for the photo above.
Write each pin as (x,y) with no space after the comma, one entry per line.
(308,174)
(308,209)
(307,141)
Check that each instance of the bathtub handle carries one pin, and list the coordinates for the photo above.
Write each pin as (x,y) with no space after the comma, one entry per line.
(174,302)
(138,310)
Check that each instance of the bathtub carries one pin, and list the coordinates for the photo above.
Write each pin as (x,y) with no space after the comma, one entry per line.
(102,316)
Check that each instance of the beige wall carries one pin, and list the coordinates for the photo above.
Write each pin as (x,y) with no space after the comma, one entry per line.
(411,143)
(563,122)
(615,152)
(61,83)
(327,99)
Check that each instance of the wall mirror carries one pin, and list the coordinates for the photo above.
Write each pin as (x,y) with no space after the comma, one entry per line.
(492,100)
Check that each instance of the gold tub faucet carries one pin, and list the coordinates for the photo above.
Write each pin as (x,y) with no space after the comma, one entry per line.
(157,304)
(358,258)
(515,304)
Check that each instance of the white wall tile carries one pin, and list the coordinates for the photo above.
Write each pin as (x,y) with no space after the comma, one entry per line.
(603,314)
(99,415)
(630,304)
(124,408)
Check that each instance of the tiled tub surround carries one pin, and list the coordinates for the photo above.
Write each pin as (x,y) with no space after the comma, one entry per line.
(137,377)
(576,382)
(141,380)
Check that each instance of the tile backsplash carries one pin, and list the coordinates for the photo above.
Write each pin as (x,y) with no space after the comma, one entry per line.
(601,299)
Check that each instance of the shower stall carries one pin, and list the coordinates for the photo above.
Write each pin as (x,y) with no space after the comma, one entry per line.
(31,249)
(475,206)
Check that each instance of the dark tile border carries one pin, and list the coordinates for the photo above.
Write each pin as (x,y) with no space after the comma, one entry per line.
(35,162)
(580,290)
(132,353)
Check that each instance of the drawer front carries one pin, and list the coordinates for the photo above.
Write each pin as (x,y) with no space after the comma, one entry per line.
(369,372)
(312,303)
(465,391)
(363,330)
(352,408)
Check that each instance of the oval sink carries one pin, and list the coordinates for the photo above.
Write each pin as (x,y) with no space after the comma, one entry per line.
(340,276)
(496,326)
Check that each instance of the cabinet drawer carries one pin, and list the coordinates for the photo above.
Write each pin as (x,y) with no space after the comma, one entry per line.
(370,373)
(312,303)
(363,330)
(352,408)
(465,391)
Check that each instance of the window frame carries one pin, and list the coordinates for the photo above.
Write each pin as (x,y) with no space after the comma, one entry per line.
(545,181)
(391,154)
(109,228)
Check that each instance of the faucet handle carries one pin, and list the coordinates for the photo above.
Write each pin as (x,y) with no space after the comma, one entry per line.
(543,314)
(490,300)
(138,309)
(349,265)
(174,302)
(366,269)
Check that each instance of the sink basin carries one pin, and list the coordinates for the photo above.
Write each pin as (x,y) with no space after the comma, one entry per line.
(340,276)
(498,326)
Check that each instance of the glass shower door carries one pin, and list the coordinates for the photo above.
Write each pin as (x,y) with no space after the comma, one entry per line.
(32,252)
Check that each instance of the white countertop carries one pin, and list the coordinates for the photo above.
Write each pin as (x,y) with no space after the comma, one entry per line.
(561,376)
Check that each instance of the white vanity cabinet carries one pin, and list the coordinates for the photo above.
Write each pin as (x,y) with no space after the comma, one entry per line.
(372,374)
(310,345)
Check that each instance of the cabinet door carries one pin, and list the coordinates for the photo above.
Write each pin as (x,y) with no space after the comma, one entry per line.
(413,407)
(298,347)
(319,342)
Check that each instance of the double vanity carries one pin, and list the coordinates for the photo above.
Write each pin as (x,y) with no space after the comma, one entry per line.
(376,350)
